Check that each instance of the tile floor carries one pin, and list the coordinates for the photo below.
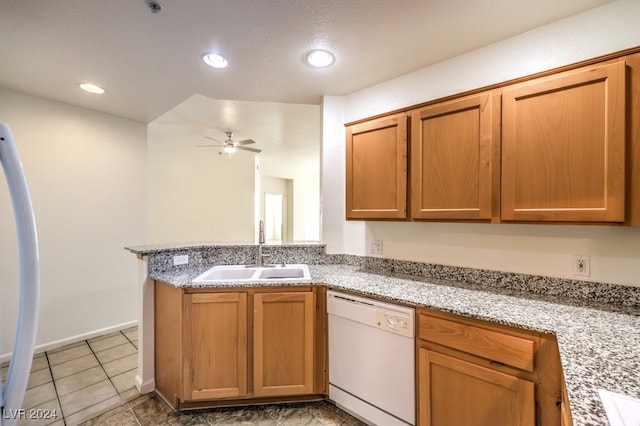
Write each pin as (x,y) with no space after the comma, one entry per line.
(92,383)
(77,382)
(152,410)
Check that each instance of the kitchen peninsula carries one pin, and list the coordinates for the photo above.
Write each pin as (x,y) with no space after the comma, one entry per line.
(596,325)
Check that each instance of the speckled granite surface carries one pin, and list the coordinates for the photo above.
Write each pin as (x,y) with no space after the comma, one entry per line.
(597,325)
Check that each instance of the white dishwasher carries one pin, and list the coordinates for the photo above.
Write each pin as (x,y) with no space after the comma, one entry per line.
(372,359)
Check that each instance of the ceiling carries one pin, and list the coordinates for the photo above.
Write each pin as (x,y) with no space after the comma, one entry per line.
(150,63)
(280,130)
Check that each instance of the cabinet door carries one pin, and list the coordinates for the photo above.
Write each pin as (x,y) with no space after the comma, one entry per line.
(283,343)
(457,392)
(376,174)
(215,345)
(563,147)
(451,160)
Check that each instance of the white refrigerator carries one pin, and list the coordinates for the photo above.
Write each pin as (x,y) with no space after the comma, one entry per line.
(13,390)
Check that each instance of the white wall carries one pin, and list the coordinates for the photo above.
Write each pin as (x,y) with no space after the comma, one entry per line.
(339,235)
(596,32)
(195,194)
(533,249)
(87,177)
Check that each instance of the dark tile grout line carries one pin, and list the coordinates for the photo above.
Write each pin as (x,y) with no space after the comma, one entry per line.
(55,388)
(77,344)
(125,403)
(127,337)
(53,379)
(108,378)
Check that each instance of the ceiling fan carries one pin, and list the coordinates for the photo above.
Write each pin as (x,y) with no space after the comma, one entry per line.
(229,146)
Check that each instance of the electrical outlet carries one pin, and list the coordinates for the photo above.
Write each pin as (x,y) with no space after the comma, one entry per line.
(180,260)
(375,247)
(581,266)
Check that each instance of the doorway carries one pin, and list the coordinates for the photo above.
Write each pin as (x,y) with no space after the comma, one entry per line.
(277,206)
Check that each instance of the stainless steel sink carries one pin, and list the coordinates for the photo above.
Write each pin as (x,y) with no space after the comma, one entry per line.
(242,273)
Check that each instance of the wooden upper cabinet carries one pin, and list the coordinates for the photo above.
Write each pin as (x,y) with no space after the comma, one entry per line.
(563,147)
(451,151)
(376,169)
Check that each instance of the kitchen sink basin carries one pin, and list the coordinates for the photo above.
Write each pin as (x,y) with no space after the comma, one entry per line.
(284,272)
(227,273)
(242,273)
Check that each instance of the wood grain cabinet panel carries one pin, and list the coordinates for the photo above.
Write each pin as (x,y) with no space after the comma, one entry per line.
(517,351)
(451,151)
(283,343)
(224,346)
(168,353)
(563,147)
(376,169)
(473,372)
(215,345)
(457,392)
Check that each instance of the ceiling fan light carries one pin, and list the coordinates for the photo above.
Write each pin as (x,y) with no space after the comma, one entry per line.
(229,149)
(320,58)
(214,60)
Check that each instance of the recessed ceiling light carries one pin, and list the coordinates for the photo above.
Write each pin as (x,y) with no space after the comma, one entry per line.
(91,88)
(320,58)
(214,60)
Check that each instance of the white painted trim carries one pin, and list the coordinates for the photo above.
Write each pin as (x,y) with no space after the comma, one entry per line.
(145,379)
(80,337)
(146,387)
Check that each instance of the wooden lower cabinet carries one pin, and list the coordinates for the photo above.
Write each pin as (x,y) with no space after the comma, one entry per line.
(457,392)
(476,373)
(283,343)
(215,342)
(220,346)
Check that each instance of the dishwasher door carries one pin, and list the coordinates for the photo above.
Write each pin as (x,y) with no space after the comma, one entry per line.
(372,359)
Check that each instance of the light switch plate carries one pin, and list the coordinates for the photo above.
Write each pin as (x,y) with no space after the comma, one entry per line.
(180,260)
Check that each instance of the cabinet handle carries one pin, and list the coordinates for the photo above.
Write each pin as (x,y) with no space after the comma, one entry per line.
(497,363)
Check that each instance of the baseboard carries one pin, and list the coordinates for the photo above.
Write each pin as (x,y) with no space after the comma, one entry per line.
(148,386)
(67,341)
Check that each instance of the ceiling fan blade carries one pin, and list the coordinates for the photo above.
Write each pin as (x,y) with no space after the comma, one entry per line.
(208,146)
(244,148)
(215,140)
(244,142)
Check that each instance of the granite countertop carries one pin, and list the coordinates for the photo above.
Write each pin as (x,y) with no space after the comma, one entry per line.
(599,344)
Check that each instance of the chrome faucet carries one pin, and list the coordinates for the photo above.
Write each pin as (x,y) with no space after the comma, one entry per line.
(261,255)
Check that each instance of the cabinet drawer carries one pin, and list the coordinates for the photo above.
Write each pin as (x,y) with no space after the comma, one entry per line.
(497,346)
